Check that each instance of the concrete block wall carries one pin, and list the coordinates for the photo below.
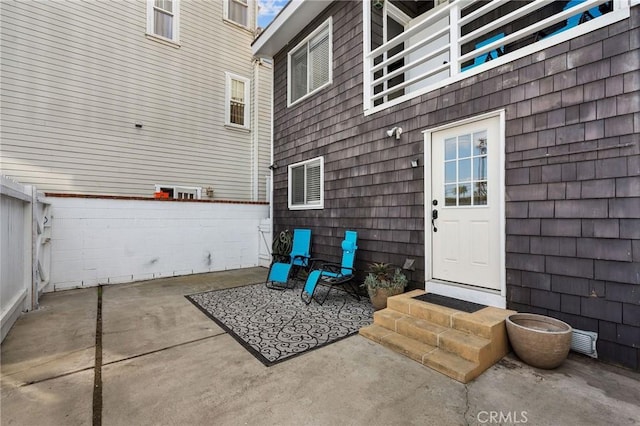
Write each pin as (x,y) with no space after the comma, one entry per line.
(572,171)
(107,241)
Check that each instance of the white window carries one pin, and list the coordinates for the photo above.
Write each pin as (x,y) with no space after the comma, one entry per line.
(162,19)
(310,64)
(179,192)
(306,185)
(237,11)
(237,101)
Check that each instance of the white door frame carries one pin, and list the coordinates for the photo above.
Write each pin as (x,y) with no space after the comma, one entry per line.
(497,298)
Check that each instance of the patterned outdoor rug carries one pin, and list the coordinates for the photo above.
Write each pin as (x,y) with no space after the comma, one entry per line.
(276,325)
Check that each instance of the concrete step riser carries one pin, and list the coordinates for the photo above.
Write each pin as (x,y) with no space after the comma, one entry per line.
(408,329)
(408,326)
(438,338)
(442,316)
(422,311)
(442,361)
(455,343)
(467,351)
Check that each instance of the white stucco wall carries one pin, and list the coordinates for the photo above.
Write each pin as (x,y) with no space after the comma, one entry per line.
(106,241)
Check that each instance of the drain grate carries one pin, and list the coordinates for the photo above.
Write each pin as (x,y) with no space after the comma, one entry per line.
(584,342)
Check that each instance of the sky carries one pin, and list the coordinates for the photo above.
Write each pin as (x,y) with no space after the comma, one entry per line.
(268,10)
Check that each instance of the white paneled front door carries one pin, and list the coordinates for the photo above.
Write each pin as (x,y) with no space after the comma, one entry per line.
(465,204)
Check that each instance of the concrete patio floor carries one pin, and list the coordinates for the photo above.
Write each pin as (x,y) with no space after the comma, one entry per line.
(165,363)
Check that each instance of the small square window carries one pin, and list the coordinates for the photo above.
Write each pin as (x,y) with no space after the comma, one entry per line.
(306,185)
(179,192)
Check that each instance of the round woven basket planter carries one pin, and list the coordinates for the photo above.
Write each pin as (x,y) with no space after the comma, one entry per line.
(540,341)
(379,296)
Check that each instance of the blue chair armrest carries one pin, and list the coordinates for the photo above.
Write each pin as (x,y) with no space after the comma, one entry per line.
(303,260)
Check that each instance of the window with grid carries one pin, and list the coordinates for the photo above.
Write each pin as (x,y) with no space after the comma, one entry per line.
(162,18)
(180,192)
(238,11)
(310,63)
(306,184)
(465,170)
(237,101)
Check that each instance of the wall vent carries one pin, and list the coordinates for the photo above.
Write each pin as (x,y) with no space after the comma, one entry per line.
(584,342)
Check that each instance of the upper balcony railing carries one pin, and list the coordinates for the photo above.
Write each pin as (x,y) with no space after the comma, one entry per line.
(461,38)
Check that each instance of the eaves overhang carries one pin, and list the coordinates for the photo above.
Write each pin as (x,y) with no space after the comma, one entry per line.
(292,19)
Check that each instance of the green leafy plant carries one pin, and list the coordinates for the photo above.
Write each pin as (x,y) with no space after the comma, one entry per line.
(384,275)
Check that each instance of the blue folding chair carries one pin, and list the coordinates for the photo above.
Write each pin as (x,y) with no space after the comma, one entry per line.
(337,276)
(280,272)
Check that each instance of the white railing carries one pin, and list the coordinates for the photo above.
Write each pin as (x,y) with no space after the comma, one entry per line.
(25,252)
(413,56)
(459,39)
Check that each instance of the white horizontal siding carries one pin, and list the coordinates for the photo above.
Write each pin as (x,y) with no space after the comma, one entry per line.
(77,76)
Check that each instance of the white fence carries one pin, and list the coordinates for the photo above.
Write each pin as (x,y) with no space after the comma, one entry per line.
(25,228)
(64,243)
(107,241)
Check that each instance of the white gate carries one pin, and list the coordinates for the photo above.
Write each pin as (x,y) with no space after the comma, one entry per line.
(25,250)
(266,238)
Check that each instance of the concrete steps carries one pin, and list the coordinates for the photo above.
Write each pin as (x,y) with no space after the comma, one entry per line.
(459,344)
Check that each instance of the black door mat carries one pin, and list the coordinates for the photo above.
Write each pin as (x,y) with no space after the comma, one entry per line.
(450,302)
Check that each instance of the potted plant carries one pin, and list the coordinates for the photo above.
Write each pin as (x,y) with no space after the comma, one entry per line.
(384,281)
(538,340)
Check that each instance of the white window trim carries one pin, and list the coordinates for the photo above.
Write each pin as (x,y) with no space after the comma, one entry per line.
(227,101)
(193,189)
(483,296)
(238,24)
(391,11)
(176,23)
(328,23)
(318,206)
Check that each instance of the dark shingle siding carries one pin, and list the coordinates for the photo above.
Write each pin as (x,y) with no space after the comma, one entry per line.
(572,189)
(590,234)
